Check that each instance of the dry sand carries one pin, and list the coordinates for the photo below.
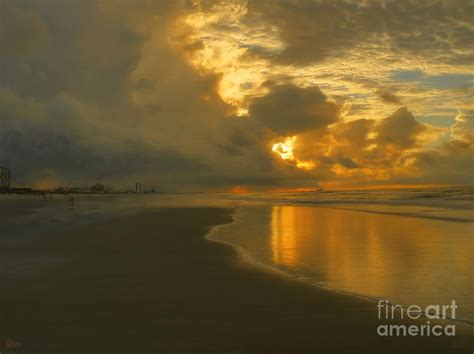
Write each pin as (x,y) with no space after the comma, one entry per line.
(151,283)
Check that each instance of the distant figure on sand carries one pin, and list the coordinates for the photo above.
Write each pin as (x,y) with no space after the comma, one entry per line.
(71,202)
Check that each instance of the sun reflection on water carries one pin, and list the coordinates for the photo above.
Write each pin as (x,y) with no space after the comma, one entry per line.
(409,259)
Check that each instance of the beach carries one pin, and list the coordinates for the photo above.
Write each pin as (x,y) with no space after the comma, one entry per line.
(150,282)
(236,176)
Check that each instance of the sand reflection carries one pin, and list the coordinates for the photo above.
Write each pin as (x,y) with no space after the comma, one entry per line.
(381,255)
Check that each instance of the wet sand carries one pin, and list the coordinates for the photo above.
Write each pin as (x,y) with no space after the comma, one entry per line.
(151,283)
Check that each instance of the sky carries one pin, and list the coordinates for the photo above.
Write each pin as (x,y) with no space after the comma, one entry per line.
(237,95)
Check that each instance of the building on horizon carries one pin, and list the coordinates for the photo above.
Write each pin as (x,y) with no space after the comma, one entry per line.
(5,176)
(138,188)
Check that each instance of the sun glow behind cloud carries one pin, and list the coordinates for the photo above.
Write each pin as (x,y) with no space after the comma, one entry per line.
(226,40)
(331,76)
(285,151)
(233,39)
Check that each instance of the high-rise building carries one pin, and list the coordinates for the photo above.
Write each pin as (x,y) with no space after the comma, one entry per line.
(138,188)
(4,178)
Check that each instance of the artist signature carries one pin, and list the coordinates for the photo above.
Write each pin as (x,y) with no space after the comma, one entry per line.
(13,344)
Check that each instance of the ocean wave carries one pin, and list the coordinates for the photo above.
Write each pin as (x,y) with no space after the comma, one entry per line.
(245,256)
(439,204)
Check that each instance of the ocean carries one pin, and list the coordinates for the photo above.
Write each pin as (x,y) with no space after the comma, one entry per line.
(410,247)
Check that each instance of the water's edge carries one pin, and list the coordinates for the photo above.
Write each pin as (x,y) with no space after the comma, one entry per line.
(245,257)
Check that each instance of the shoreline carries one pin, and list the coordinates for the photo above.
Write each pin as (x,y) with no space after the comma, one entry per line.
(247,258)
(152,283)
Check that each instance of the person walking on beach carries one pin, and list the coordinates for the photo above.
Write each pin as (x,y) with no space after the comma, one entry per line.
(71,202)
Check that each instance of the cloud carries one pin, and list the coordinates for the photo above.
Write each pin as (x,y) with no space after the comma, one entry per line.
(350,49)
(441,80)
(347,162)
(288,109)
(123,104)
(75,108)
(451,164)
(41,141)
(118,91)
(315,30)
(368,151)
(389,97)
(399,129)
(23,32)
(463,128)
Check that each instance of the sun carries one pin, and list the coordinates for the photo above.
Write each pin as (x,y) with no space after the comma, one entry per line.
(285,149)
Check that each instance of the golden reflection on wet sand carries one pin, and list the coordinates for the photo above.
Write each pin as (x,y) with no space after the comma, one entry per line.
(382,255)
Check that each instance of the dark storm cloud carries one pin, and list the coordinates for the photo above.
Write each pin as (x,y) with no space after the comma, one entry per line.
(103,91)
(40,154)
(289,109)
(66,110)
(87,53)
(22,32)
(52,140)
